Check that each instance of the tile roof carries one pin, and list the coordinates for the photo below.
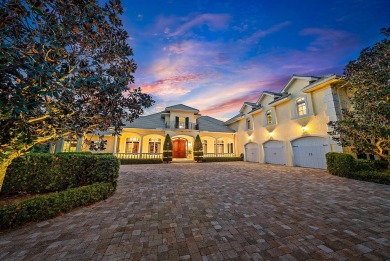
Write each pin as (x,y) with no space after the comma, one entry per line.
(181,107)
(207,123)
(153,121)
(234,118)
(274,93)
(285,95)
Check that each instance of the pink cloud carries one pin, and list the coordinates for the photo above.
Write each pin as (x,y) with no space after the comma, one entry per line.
(214,21)
(230,106)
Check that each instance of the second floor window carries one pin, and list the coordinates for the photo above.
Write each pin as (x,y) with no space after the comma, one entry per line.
(269,117)
(301,106)
(248,124)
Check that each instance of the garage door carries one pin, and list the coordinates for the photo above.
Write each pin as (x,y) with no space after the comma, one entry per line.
(310,152)
(252,152)
(274,152)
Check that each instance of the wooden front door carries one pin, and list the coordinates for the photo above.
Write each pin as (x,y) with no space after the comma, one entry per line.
(179,149)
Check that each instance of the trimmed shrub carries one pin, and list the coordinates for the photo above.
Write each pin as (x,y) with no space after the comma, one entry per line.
(372,165)
(140,161)
(221,159)
(373,176)
(167,149)
(42,207)
(39,173)
(198,149)
(340,164)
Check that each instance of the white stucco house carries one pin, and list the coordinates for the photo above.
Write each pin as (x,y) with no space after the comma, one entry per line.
(286,128)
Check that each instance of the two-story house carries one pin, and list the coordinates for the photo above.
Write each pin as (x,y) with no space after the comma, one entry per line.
(145,136)
(290,127)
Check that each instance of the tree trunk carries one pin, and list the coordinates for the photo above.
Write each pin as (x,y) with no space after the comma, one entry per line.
(4,165)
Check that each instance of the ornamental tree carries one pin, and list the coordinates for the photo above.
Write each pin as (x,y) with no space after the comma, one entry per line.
(65,68)
(167,149)
(366,125)
(198,149)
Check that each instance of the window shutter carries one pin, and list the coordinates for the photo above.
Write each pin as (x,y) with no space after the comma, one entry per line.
(187,123)
(177,122)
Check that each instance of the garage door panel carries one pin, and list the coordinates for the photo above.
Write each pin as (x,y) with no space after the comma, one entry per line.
(252,152)
(274,153)
(310,152)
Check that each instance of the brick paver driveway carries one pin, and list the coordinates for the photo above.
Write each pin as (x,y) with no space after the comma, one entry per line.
(216,211)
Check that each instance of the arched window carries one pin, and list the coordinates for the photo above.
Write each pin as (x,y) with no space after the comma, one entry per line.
(132,145)
(269,117)
(301,106)
(154,145)
(219,146)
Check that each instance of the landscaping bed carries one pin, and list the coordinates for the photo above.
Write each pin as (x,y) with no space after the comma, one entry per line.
(344,165)
(41,186)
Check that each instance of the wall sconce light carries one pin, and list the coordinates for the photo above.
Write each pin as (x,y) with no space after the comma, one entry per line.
(271,135)
(190,143)
(304,129)
(250,138)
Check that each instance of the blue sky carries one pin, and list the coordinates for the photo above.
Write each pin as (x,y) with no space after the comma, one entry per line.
(214,55)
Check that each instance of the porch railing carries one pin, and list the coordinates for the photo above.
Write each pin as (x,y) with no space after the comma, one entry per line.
(209,155)
(138,155)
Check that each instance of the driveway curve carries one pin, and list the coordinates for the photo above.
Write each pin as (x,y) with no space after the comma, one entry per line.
(217,211)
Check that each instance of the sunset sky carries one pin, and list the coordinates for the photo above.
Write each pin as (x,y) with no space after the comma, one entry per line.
(214,55)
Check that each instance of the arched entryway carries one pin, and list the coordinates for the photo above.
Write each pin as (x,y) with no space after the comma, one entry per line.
(180,146)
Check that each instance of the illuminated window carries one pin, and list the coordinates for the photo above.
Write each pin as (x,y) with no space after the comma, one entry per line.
(269,117)
(230,147)
(204,146)
(154,145)
(132,145)
(182,123)
(219,146)
(301,106)
(69,146)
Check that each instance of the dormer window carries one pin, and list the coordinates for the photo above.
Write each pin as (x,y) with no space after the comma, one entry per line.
(269,116)
(301,106)
(248,124)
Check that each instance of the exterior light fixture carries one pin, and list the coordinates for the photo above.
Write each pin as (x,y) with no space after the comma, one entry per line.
(271,135)
(250,138)
(304,129)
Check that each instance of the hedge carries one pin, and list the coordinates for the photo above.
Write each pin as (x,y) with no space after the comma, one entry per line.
(340,164)
(42,207)
(345,165)
(221,159)
(140,161)
(41,173)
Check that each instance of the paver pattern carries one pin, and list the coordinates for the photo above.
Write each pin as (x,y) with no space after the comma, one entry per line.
(217,211)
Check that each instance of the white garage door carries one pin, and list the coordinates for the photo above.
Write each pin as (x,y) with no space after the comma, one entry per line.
(252,152)
(310,152)
(274,152)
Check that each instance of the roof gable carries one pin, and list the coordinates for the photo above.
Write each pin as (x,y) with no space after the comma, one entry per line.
(181,107)
(298,77)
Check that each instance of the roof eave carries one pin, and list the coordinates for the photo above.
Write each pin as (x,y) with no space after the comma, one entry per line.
(321,84)
(285,99)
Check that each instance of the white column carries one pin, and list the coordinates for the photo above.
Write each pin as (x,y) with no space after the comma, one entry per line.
(141,144)
(115,142)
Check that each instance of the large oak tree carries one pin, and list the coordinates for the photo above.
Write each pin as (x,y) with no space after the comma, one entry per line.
(65,68)
(366,125)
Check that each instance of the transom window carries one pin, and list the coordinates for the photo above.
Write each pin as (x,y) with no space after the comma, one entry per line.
(154,145)
(132,145)
(269,117)
(219,146)
(301,106)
